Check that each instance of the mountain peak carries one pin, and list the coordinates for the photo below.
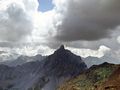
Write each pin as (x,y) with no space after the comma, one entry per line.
(61,50)
(62,47)
(63,62)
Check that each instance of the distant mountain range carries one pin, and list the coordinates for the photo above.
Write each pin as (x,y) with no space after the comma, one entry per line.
(89,61)
(23,59)
(96,61)
(41,73)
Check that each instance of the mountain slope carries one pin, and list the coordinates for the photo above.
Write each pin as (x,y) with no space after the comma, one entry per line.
(60,66)
(64,62)
(93,78)
(113,82)
(46,74)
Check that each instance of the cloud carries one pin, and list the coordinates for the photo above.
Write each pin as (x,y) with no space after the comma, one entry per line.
(118,39)
(88,20)
(82,25)
(1,52)
(100,52)
(15,23)
(7,53)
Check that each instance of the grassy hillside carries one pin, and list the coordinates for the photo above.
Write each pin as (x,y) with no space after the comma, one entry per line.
(113,82)
(92,79)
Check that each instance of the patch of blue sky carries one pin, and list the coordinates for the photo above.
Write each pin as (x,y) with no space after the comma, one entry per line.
(45,5)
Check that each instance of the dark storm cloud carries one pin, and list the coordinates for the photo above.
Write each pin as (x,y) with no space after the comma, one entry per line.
(15,24)
(88,20)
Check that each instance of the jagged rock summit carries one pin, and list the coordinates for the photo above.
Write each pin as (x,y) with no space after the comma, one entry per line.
(46,74)
(62,47)
(60,50)
(64,62)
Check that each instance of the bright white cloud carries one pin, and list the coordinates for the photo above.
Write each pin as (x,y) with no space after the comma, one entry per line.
(88,52)
(118,39)
(15,22)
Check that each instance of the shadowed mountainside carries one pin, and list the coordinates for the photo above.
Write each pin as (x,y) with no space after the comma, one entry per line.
(46,74)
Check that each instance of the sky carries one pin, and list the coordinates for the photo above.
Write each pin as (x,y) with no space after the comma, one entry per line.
(45,5)
(86,27)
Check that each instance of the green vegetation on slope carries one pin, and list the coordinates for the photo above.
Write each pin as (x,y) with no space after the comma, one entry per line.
(91,79)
